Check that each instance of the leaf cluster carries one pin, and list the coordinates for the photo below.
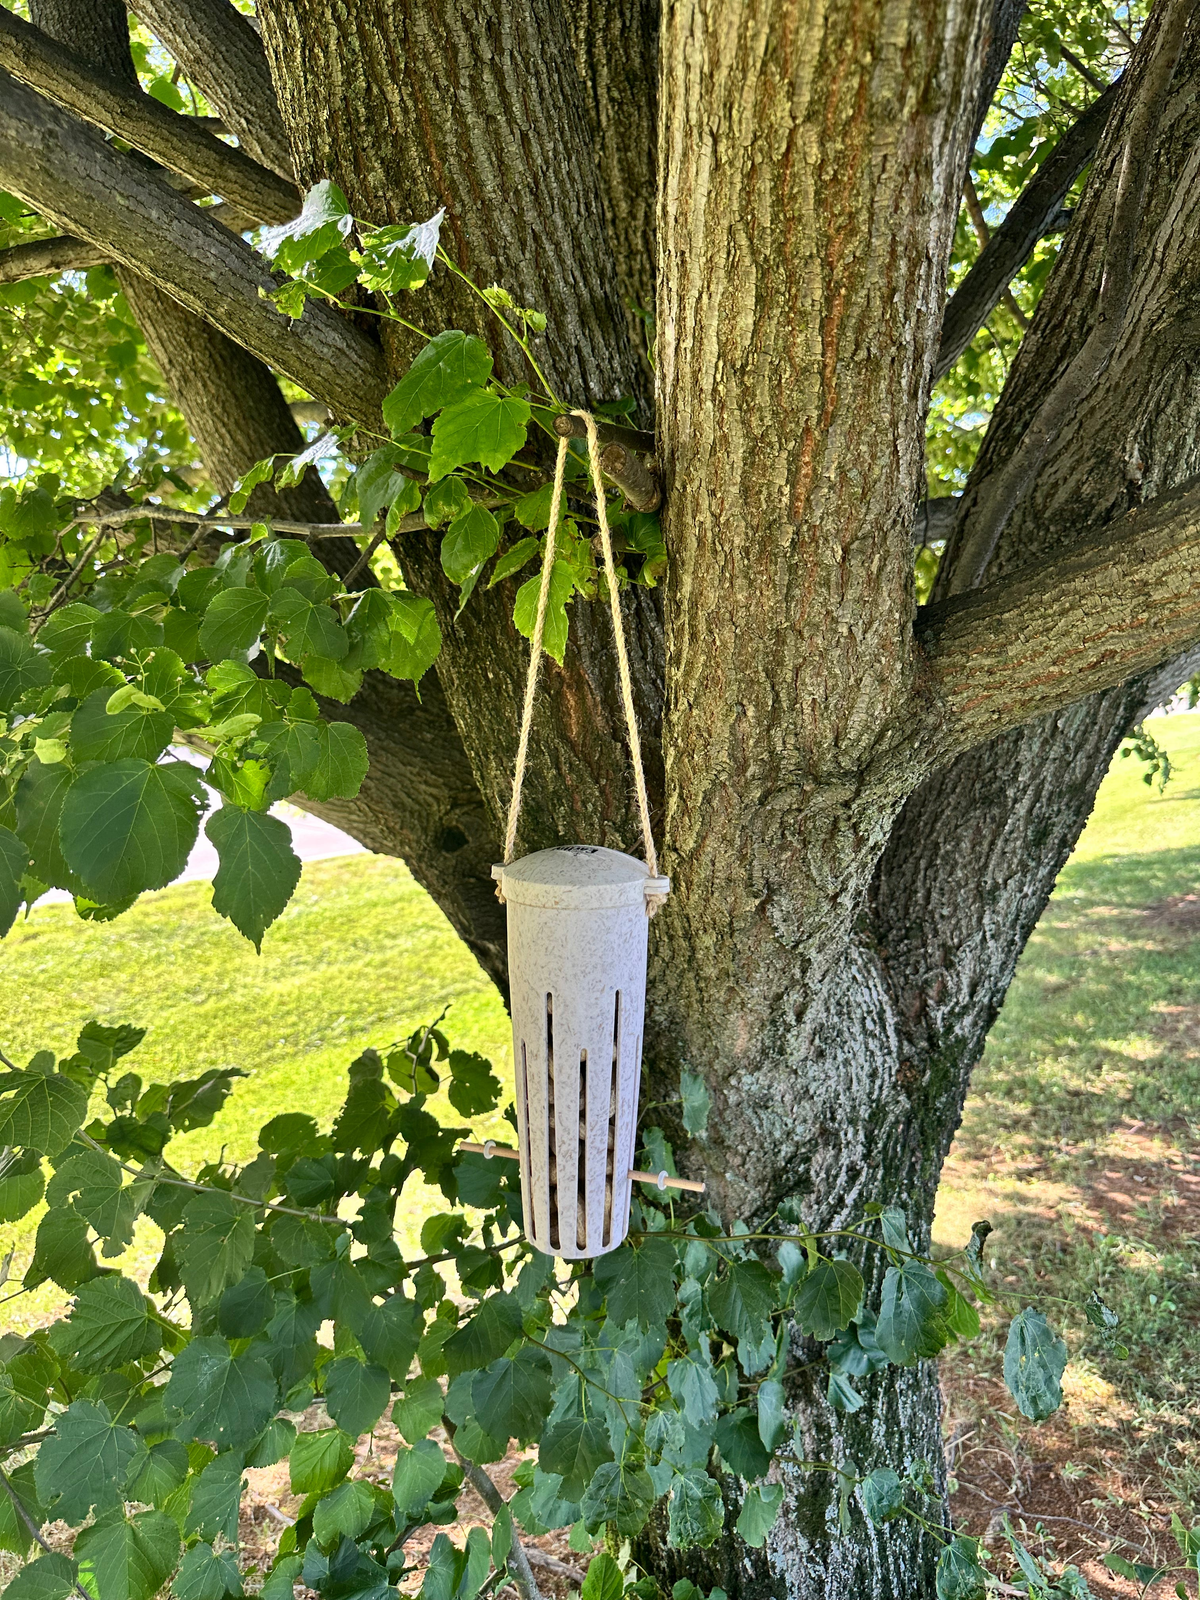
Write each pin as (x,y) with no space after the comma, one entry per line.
(656,1375)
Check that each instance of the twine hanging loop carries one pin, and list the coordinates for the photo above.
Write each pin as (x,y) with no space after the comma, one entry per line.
(535,657)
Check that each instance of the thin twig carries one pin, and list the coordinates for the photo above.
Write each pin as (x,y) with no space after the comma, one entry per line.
(518,1558)
(365,556)
(6,1483)
(1032,1516)
(221,519)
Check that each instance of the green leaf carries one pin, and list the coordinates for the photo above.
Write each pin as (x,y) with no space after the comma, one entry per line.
(513,560)
(273,1444)
(97,736)
(162,1472)
(101,1196)
(246,1307)
(1034,1361)
(377,484)
(319,1460)
(419,1410)
(61,1251)
(828,1298)
(445,501)
(216,1499)
(959,1316)
(205,1575)
(533,510)
(959,1574)
(216,1245)
(693,1385)
(487,1335)
(282,1578)
(232,622)
(604,1579)
(772,1413)
(14,863)
(40,795)
(14,1530)
(738,1439)
(470,540)
(621,1494)
(341,763)
(554,632)
(416,638)
(128,1560)
(110,1325)
(742,1301)
(882,1495)
(910,1314)
(697,1102)
(512,1398)
(347,1510)
(21,1184)
(391,1333)
(129,826)
(324,221)
(473,1089)
(23,666)
(221,1397)
(308,629)
(484,427)
(639,1283)
(759,1511)
(449,366)
(41,1113)
(417,1474)
(50,1577)
(842,1395)
(356,1394)
(574,1449)
(83,1465)
(697,1514)
(258,870)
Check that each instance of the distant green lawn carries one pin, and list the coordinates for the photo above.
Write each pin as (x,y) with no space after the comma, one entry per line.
(362,956)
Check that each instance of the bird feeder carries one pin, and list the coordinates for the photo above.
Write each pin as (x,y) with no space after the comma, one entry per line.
(578,920)
(577,938)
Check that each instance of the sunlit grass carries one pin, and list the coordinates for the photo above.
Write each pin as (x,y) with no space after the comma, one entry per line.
(362,956)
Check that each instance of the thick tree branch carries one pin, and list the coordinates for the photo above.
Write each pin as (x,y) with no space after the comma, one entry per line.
(220,53)
(176,141)
(73,177)
(1113,607)
(1000,494)
(42,257)
(1029,219)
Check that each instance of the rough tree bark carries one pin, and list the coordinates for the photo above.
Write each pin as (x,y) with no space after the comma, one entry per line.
(863,809)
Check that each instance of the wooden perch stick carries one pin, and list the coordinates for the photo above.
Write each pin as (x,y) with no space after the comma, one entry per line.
(661,1180)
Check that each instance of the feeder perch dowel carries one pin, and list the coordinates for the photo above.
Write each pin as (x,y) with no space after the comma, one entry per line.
(661,1180)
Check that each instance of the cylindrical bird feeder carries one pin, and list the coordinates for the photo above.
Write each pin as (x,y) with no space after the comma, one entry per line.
(577,939)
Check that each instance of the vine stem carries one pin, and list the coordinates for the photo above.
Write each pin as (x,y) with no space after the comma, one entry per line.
(518,1561)
(6,1484)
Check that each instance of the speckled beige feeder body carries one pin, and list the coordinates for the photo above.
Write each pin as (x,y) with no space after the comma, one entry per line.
(577,939)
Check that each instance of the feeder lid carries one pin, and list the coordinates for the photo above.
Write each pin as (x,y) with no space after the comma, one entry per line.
(578,877)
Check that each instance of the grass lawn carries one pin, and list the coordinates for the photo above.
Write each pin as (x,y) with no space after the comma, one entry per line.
(1080,1141)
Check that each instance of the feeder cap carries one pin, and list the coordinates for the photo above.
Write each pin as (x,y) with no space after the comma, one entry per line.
(578,877)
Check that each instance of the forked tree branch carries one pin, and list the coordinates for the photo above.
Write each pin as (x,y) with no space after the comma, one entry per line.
(220,53)
(1002,491)
(1111,608)
(77,180)
(46,257)
(176,141)
(1029,219)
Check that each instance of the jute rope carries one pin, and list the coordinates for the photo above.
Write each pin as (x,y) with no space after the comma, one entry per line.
(535,657)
